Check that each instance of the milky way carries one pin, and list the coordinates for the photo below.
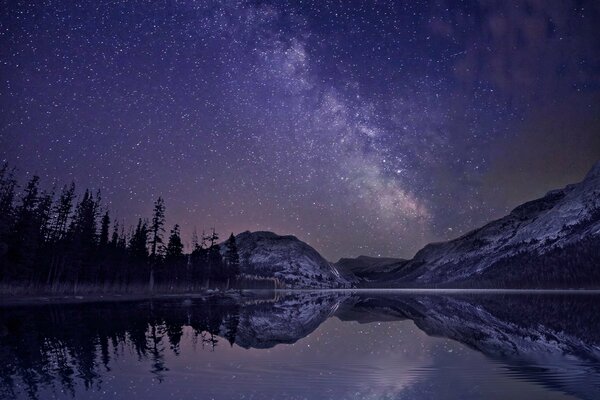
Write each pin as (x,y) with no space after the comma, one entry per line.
(361,128)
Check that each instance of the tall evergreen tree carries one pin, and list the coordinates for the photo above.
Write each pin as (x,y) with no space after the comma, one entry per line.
(232,259)
(156,230)
(104,252)
(138,244)
(85,236)
(104,228)
(114,237)
(62,212)
(174,258)
(24,241)
(157,227)
(215,267)
(44,215)
(8,185)
(58,236)
(198,260)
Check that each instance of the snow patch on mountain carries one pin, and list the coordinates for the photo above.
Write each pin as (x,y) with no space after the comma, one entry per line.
(368,268)
(292,262)
(560,218)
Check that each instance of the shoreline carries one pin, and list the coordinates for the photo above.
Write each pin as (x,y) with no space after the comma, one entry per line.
(41,299)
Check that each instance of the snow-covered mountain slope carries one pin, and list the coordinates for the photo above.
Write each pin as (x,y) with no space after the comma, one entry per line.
(556,235)
(368,268)
(292,262)
(553,241)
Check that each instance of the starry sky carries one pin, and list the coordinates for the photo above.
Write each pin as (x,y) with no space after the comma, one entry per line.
(361,127)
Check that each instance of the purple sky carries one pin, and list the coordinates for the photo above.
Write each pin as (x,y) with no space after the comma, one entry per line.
(361,128)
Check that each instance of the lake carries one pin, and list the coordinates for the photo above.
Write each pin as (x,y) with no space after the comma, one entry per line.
(307,345)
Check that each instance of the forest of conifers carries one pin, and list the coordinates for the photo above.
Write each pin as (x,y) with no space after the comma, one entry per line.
(64,240)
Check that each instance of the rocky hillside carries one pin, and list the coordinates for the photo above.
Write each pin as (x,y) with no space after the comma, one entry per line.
(368,268)
(292,262)
(551,241)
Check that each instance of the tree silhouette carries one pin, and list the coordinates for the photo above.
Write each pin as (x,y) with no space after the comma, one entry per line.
(26,231)
(175,246)
(104,228)
(65,242)
(232,258)
(174,258)
(58,238)
(156,229)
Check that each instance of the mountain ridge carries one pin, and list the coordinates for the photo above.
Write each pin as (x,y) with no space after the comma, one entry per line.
(292,262)
(552,241)
(563,218)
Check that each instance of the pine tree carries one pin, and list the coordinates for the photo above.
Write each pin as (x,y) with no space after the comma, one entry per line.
(156,229)
(84,236)
(138,244)
(198,260)
(174,255)
(104,228)
(59,229)
(215,268)
(232,259)
(24,238)
(44,215)
(103,252)
(8,185)
(62,212)
(114,238)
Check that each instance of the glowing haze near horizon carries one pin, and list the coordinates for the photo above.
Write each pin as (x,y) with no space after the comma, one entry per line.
(360,127)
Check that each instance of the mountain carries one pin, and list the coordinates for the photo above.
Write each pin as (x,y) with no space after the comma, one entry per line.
(368,268)
(553,241)
(292,262)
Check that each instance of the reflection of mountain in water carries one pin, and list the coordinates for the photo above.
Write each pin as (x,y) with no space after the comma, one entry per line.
(544,338)
(286,321)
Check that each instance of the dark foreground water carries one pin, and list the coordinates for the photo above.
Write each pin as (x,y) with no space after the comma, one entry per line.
(307,345)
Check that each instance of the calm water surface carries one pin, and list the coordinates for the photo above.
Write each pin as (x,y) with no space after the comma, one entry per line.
(307,345)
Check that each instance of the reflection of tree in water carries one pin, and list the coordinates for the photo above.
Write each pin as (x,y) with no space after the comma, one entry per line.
(155,336)
(67,347)
(57,347)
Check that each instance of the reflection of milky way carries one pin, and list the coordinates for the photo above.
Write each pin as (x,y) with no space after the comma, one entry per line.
(359,128)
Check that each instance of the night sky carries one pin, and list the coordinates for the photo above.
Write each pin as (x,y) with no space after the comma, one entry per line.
(360,127)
